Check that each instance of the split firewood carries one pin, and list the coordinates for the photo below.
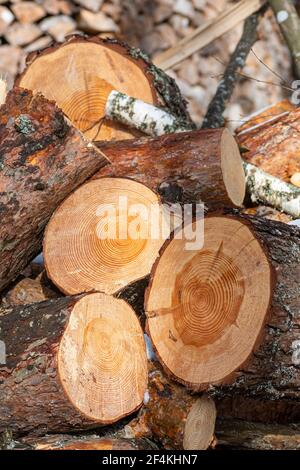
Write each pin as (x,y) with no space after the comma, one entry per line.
(104,236)
(272,373)
(174,417)
(65,442)
(71,364)
(42,159)
(87,70)
(192,166)
(243,435)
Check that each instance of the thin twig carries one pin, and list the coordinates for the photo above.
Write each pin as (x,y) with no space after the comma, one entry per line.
(214,116)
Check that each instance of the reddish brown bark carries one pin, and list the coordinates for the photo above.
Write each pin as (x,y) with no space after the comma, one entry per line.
(42,159)
(31,396)
(270,140)
(243,435)
(273,371)
(183,167)
(173,416)
(65,442)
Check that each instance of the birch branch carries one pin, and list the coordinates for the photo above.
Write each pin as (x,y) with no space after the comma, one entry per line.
(261,186)
(145,117)
(265,188)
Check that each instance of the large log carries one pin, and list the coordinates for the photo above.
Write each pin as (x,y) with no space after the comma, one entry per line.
(244,264)
(190,166)
(273,371)
(71,364)
(42,159)
(104,236)
(82,72)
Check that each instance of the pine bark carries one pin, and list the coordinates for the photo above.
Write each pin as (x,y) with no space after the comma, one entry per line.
(243,435)
(165,416)
(273,371)
(181,167)
(42,159)
(31,395)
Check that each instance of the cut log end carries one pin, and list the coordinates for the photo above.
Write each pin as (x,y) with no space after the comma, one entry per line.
(200,424)
(80,75)
(102,360)
(232,169)
(213,303)
(99,237)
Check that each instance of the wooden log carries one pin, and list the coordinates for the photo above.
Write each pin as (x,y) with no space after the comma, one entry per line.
(271,139)
(67,442)
(106,235)
(28,291)
(243,435)
(71,364)
(174,417)
(81,73)
(272,373)
(192,166)
(42,159)
(214,301)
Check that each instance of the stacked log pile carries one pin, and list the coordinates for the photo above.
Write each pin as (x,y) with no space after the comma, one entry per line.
(146,326)
(28,26)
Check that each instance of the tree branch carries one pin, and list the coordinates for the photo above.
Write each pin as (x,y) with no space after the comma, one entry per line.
(289,22)
(214,116)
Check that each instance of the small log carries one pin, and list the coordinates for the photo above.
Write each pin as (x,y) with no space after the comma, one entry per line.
(190,166)
(28,291)
(104,65)
(65,442)
(104,236)
(243,435)
(174,417)
(71,364)
(271,139)
(208,318)
(42,159)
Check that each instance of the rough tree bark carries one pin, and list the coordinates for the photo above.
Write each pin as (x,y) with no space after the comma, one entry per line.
(49,344)
(106,65)
(273,372)
(182,167)
(42,159)
(243,435)
(173,416)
